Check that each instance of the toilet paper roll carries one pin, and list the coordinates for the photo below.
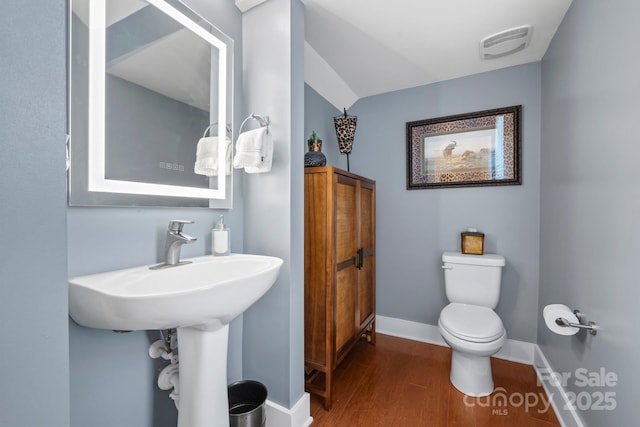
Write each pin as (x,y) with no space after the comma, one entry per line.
(553,307)
(553,311)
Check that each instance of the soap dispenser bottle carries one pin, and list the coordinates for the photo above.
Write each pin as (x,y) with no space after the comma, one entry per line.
(220,239)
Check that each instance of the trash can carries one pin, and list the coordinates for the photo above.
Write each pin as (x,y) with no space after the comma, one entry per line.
(247,404)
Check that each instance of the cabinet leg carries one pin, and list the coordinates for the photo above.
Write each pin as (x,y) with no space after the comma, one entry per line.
(328,378)
(370,333)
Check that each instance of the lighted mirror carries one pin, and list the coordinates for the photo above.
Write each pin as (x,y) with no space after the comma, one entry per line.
(148,79)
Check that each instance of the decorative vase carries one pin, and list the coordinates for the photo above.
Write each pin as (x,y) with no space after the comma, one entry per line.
(314,157)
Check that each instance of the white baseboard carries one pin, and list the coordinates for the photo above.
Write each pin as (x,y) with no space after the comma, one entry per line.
(298,416)
(566,413)
(513,350)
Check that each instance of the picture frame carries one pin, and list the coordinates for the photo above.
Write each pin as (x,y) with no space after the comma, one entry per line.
(482,148)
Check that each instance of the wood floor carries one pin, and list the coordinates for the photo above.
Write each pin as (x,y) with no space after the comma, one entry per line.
(404,383)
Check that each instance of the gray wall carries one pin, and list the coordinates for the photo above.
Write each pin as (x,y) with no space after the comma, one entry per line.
(113,380)
(34,366)
(318,117)
(273,83)
(589,243)
(415,227)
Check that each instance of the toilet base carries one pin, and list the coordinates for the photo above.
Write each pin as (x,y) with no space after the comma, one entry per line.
(471,374)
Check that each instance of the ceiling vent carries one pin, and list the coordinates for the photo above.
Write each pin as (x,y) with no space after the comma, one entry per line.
(505,42)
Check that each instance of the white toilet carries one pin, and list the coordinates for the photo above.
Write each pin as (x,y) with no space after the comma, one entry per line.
(468,324)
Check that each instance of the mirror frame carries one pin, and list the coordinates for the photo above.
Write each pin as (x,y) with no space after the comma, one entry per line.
(109,192)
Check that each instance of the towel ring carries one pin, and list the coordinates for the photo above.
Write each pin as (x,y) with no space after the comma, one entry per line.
(264,121)
(228,128)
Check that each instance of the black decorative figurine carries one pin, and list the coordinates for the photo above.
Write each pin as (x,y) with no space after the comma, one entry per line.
(314,157)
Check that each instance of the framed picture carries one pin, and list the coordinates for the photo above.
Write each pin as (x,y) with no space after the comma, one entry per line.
(474,149)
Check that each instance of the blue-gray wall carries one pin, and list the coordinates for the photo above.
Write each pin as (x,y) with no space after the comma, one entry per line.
(587,234)
(318,117)
(415,227)
(589,244)
(34,365)
(113,380)
(273,347)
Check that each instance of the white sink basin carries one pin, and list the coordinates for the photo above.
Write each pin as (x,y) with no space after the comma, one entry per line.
(207,293)
(199,299)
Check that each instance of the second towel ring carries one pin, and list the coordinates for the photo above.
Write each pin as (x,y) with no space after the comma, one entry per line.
(228,129)
(264,121)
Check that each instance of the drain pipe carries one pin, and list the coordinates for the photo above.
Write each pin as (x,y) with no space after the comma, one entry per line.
(169,377)
(158,349)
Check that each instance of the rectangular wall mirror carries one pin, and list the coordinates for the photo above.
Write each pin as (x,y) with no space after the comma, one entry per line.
(147,80)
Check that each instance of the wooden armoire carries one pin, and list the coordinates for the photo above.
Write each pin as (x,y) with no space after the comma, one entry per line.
(339,271)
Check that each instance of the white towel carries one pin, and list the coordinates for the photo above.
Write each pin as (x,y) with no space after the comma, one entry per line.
(265,165)
(207,156)
(251,148)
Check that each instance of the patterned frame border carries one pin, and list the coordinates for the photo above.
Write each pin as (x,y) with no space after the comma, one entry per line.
(417,178)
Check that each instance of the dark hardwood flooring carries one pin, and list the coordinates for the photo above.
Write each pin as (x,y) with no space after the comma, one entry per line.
(404,383)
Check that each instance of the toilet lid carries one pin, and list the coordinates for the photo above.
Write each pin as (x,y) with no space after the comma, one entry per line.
(471,322)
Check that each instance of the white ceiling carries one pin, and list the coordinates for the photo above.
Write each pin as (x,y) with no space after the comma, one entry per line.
(359,48)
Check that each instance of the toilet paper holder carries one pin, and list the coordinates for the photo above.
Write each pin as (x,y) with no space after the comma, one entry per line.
(591,326)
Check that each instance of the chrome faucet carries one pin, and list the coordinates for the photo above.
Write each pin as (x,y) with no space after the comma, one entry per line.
(175,239)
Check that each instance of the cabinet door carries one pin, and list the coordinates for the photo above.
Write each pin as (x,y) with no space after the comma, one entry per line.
(346,233)
(366,274)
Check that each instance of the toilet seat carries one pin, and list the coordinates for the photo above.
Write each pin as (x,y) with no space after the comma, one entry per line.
(471,322)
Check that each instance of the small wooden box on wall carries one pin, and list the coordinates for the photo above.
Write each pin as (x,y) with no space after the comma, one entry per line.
(472,242)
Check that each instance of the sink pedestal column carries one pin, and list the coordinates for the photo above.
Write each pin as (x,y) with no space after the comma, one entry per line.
(203,377)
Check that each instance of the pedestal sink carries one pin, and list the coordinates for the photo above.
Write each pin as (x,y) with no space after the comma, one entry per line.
(199,299)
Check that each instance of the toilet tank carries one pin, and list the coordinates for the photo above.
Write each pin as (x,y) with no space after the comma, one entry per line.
(473,279)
